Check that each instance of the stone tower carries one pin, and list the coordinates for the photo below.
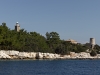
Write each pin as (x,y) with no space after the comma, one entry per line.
(17,27)
(92,42)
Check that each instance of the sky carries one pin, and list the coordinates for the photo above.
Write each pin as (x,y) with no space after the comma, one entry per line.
(71,19)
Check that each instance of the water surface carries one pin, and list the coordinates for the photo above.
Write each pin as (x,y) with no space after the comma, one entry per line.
(49,67)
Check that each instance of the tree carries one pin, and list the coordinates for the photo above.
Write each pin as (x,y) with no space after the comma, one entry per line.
(53,40)
(48,35)
(93,53)
(33,41)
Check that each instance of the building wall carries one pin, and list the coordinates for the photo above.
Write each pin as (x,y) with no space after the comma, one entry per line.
(72,41)
(17,27)
(92,42)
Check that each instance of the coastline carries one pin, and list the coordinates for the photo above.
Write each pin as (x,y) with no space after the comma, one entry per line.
(47,58)
(16,55)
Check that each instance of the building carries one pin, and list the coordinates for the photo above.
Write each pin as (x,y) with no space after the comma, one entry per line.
(72,41)
(17,27)
(92,42)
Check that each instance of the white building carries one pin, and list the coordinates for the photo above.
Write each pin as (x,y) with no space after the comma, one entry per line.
(17,27)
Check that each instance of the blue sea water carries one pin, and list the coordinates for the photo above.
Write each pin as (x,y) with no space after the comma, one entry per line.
(49,67)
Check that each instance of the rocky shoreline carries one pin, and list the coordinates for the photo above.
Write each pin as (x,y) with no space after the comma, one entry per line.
(13,54)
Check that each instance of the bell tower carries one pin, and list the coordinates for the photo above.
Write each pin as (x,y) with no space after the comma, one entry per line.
(17,27)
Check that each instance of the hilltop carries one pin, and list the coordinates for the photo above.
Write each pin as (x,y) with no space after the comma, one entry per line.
(21,40)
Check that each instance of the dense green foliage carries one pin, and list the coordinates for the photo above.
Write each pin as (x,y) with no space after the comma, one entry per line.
(93,53)
(33,41)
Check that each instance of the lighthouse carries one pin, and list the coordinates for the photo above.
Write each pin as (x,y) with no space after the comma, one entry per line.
(17,27)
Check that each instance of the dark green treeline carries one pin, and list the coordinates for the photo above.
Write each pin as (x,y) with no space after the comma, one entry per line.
(33,41)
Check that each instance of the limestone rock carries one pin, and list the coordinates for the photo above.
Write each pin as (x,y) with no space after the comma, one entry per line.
(11,52)
(83,55)
(32,55)
(39,55)
(4,56)
(23,55)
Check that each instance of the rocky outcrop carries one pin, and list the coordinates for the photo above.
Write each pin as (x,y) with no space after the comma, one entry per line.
(47,56)
(83,55)
(12,54)
(80,55)
(24,55)
(4,56)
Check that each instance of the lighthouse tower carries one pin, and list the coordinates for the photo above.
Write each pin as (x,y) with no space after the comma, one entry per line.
(17,27)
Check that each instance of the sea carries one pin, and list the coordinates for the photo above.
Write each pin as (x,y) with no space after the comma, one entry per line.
(50,67)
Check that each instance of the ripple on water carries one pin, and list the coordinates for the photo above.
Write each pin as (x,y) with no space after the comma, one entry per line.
(50,67)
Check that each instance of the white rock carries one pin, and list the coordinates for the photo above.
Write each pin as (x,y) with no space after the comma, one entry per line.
(3,55)
(39,55)
(83,55)
(32,55)
(98,55)
(23,55)
(12,53)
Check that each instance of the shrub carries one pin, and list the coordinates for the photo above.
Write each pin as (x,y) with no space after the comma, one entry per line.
(93,53)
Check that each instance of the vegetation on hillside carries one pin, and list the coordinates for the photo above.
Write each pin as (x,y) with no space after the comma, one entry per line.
(33,41)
